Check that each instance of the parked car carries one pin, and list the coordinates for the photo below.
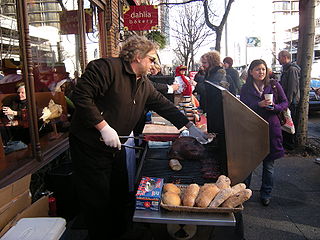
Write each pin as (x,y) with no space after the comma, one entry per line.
(314,95)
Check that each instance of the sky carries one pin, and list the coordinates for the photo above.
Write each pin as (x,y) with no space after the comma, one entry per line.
(247,18)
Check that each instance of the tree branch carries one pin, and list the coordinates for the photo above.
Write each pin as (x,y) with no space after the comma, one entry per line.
(184,2)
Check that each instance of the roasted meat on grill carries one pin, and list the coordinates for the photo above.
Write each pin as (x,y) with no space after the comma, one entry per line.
(186,148)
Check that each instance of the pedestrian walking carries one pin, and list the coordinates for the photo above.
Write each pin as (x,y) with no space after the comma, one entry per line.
(253,94)
(290,82)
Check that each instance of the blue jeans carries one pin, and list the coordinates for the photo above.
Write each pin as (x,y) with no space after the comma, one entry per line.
(267,179)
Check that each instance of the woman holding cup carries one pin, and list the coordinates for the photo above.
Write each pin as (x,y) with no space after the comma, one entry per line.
(262,97)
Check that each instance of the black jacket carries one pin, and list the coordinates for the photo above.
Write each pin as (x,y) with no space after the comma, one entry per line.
(108,90)
(216,75)
(290,82)
(233,80)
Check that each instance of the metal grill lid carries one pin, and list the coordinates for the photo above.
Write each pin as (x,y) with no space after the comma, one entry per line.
(246,134)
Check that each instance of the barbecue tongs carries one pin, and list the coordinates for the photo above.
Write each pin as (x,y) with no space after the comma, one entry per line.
(128,146)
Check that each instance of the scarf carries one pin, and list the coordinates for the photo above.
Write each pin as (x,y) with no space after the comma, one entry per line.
(257,88)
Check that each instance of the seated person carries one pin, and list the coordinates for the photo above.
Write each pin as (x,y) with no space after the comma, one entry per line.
(17,107)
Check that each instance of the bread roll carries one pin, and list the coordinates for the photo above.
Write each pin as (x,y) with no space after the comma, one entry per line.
(223,195)
(190,195)
(171,198)
(206,194)
(237,199)
(238,187)
(175,165)
(170,187)
(205,186)
(223,182)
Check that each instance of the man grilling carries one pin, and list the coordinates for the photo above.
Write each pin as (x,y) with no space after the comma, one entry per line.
(109,98)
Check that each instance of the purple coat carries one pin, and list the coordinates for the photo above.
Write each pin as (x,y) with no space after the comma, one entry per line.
(250,96)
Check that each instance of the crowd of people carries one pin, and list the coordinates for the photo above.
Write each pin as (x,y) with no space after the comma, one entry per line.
(112,97)
(101,104)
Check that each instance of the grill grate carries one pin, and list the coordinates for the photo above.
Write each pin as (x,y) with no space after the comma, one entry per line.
(193,171)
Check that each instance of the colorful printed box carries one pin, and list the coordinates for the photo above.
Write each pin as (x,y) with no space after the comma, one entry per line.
(149,193)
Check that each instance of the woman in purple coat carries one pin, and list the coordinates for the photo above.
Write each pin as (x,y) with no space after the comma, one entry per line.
(253,95)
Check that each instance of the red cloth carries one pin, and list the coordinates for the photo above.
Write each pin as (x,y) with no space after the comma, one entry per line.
(188,89)
(161,137)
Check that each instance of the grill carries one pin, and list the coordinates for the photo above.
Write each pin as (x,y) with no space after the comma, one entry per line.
(242,143)
(193,171)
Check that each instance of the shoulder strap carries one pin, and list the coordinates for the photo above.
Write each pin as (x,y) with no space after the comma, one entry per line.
(274,90)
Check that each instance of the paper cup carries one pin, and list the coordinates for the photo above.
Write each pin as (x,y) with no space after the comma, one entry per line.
(269,96)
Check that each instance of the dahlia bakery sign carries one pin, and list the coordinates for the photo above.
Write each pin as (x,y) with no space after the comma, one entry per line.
(140,18)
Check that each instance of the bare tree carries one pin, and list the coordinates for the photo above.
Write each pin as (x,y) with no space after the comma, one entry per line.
(190,33)
(304,60)
(211,16)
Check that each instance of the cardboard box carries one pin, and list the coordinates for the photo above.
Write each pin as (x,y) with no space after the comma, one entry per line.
(13,190)
(39,208)
(15,206)
(149,193)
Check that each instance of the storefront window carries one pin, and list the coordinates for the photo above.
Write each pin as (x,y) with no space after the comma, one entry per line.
(92,34)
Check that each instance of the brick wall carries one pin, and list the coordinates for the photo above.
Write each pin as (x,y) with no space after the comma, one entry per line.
(113,33)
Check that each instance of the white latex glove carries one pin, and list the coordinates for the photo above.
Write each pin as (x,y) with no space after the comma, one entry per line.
(110,137)
(198,134)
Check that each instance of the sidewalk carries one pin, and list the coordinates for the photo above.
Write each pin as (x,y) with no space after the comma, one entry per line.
(294,212)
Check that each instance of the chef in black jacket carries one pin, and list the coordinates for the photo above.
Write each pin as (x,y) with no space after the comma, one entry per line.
(109,98)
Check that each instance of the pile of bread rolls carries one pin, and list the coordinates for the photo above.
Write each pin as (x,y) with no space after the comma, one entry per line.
(210,195)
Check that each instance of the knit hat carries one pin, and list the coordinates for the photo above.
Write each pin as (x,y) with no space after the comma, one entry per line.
(228,60)
(182,67)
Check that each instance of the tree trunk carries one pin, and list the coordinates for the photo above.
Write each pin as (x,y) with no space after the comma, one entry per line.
(304,60)
(217,29)
(218,39)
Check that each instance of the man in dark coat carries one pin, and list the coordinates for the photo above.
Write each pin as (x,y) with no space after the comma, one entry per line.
(109,98)
(232,76)
(290,82)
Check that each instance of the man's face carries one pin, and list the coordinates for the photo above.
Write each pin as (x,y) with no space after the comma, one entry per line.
(147,62)
(226,65)
(205,63)
(282,59)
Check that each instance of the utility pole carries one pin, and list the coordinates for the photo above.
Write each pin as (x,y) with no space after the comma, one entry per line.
(226,29)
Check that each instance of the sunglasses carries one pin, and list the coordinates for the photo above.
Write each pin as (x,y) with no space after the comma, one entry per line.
(152,59)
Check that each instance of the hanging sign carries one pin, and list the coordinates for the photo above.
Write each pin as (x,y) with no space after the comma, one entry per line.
(253,42)
(140,18)
(69,21)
